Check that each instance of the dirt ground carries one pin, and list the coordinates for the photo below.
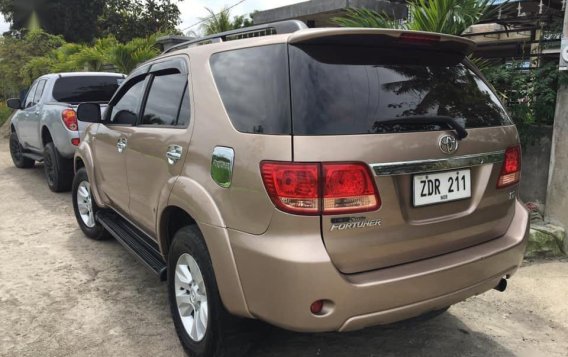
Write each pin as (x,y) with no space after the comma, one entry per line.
(64,295)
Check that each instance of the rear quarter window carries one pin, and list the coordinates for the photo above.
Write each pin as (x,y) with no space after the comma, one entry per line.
(254,87)
(79,89)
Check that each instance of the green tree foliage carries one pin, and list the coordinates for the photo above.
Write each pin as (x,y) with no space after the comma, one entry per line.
(127,19)
(39,53)
(75,20)
(443,16)
(530,95)
(221,22)
(125,57)
(84,20)
(17,53)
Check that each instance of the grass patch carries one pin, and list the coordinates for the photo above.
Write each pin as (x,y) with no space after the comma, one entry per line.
(4,113)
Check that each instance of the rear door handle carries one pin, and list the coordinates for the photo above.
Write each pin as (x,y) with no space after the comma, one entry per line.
(174,154)
(121,144)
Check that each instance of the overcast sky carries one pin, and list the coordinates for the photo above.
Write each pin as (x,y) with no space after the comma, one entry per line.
(192,10)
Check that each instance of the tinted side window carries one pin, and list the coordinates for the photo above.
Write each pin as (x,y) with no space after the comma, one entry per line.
(30,97)
(126,110)
(164,98)
(254,86)
(39,91)
(185,109)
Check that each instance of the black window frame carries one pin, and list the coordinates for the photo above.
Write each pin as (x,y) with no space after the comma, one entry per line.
(44,82)
(169,66)
(30,95)
(124,88)
(147,73)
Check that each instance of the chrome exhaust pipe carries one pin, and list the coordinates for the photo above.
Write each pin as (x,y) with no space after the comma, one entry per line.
(502,286)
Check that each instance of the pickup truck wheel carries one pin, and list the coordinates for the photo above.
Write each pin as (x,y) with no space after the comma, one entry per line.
(58,170)
(86,208)
(201,321)
(20,161)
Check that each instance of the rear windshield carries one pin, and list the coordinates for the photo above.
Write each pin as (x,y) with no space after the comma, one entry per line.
(81,89)
(358,90)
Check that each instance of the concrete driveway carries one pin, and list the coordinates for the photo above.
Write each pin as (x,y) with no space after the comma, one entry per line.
(64,295)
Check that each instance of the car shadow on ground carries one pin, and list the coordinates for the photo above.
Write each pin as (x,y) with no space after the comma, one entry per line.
(444,335)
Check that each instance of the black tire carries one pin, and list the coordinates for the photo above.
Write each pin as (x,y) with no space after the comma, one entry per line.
(58,170)
(221,326)
(97,232)
(17,152)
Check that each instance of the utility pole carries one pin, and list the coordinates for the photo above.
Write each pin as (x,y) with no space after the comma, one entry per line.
(557,195)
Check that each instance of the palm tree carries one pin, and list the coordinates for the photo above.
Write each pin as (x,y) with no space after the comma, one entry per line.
(444,16)
(221,22)
(95,57)
(125,57)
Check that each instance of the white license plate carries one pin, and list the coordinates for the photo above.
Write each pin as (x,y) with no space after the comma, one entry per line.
(442,187)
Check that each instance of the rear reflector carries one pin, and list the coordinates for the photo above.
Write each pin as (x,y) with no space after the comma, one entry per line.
(316,307)
(320,188)
(70,119)
(511,170)
(75,141)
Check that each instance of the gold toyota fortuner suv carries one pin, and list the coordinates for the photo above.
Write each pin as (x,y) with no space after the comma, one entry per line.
(316,179)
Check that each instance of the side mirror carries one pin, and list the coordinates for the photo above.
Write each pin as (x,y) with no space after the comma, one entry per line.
(14,103)
(89,113)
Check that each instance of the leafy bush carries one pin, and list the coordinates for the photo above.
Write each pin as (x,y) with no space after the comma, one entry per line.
(530,95)
(4,113)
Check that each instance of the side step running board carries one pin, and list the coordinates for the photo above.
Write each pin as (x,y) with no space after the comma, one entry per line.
(136,241)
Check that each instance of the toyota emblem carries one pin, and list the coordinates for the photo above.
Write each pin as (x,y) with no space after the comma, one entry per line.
(448,144)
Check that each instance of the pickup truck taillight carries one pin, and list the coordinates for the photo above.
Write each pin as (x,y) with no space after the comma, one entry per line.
(511,170)
(320,188)
(69,117)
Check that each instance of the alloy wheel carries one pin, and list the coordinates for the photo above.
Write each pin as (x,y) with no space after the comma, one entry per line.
(191,297)
(85,204)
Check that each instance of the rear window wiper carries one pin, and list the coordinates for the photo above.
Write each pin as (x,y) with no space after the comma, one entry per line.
(449,122)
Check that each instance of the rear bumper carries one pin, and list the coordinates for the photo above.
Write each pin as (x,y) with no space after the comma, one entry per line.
(282,276)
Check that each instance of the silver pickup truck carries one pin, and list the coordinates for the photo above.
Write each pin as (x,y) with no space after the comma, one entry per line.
(44,127)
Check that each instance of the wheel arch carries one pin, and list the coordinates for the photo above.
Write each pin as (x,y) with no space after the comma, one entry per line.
(83,159)
(45,136)
(190,203)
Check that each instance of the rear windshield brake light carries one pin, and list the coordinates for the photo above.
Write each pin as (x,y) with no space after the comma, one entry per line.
(419,37)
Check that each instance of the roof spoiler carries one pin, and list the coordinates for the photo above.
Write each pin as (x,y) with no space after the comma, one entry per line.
(372,37)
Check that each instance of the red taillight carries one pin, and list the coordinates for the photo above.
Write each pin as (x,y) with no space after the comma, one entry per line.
(292,187)
(348,188)
(70,119)
(314,188)
(419,37)
(76,141)
(511,170)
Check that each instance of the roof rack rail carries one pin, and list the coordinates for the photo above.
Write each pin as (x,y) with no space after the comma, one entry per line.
(274,28)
